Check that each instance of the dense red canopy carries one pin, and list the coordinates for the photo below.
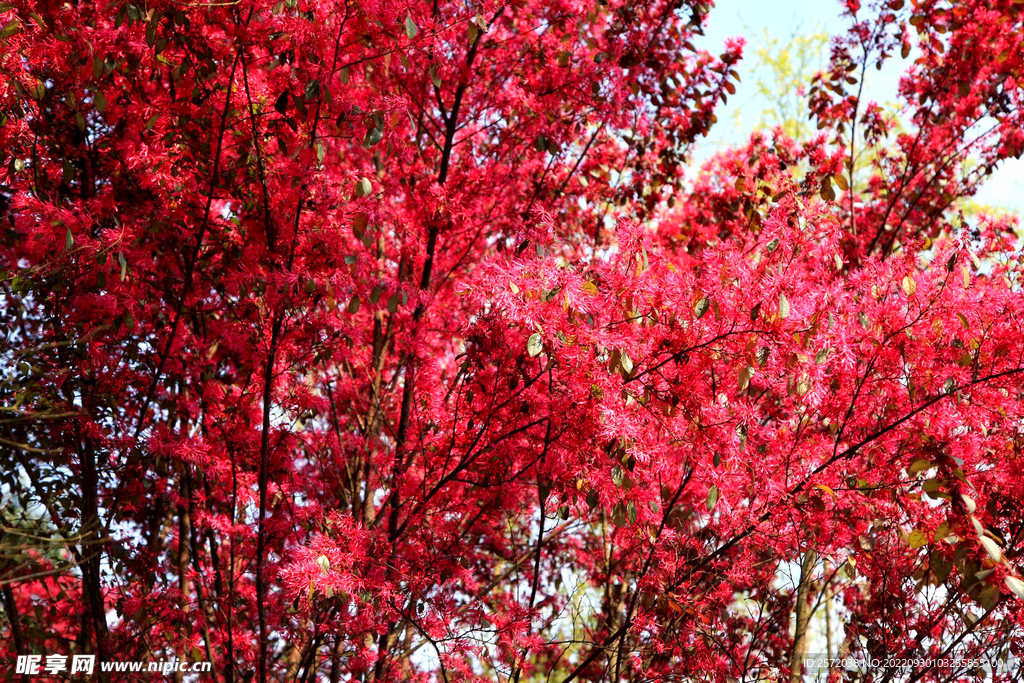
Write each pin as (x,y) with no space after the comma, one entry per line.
(389,341)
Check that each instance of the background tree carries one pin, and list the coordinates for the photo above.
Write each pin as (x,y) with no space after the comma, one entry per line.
(783,68)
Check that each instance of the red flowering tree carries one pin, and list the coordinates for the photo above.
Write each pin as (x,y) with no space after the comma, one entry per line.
(389,341)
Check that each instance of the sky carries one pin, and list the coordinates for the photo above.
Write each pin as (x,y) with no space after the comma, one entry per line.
(787,18)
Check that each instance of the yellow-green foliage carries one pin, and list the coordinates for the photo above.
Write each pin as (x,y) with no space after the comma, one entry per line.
(783,68)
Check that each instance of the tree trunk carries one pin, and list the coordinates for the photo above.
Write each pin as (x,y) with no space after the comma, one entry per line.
(803,616)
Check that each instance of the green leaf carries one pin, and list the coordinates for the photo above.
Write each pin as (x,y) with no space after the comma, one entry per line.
(909,285)
(712,498)
(826,192)
(702,307)
(919,465)
(773,245)
(124,265)
(940,566)
(626,363)
(69,240)
(614,360)
(1015,585)
(618,476)
(619,514)
(281,104)
(744,379)
(990,596)
(631,512)
(9,28)
(353,304)
(373,137)
(917,539)
(783,306)
(534,345)
(992,548)
(364,187)
(410,27)
(321,151)
(100,101)
(312,90)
